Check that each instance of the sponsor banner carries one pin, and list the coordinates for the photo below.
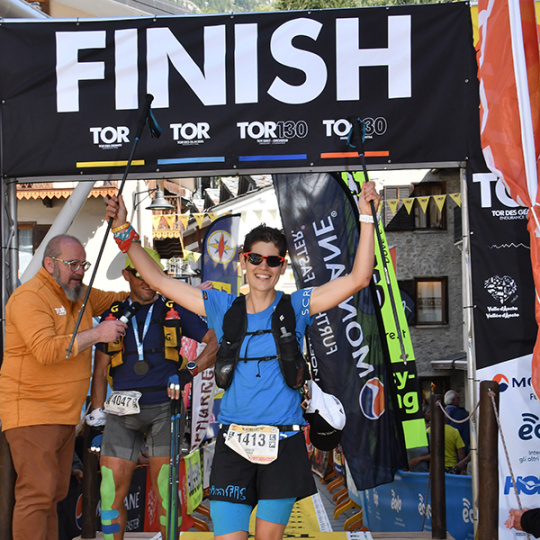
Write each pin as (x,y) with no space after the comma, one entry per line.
(242,92)
(519,412)
(194,480)
(502,282)
(407,390)
(220,254)
(320,220)
(405,505)
(505,330)
(203,390)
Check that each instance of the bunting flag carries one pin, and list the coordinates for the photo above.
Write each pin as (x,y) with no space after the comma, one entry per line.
(509,72)
(320,220)
(220,254)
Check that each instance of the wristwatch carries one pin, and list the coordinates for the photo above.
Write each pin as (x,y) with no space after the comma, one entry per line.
(192,367)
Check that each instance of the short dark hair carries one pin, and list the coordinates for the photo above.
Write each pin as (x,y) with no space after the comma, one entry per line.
(263,233)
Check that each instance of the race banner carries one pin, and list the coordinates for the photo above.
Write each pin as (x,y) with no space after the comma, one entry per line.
(219,263)
(502,282)
(243,92)
(320,220)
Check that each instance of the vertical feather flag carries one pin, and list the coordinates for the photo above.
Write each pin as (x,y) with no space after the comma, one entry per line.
(220,253)
(509,71)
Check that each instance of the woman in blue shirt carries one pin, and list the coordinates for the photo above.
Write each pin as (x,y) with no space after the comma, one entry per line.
(261,457)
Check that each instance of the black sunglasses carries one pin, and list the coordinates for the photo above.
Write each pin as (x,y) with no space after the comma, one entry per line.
(256,258)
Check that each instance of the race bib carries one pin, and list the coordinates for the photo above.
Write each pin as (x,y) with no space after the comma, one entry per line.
(123,403)
(258,444)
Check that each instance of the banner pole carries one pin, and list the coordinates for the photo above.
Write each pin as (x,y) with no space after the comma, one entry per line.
(142,121)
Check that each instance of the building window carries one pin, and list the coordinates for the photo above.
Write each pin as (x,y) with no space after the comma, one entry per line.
(424,212)
(397,219)
(30,236)
(431,301)
(429,216)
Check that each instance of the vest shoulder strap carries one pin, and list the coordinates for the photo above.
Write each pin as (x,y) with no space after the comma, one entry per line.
(235,321)
(284,319)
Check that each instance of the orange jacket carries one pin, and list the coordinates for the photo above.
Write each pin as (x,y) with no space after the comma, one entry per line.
(38,385)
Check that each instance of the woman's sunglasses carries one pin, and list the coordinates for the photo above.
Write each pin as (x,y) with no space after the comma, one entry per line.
(256,258)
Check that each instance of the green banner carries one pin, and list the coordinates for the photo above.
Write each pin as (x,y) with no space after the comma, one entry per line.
(407,386)
(194,480)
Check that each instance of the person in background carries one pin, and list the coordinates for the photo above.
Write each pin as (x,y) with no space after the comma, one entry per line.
(41,391)
(526,520)
(142,361)
(453,408)
(261,457)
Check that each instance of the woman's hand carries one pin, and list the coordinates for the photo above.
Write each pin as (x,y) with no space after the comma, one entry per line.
(368,193)
(116,209)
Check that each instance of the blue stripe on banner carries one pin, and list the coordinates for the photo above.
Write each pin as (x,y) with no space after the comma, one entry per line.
(175,161)
(109,514)
(283,157)
(111,528)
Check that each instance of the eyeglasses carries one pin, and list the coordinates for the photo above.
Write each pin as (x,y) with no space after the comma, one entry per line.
(74,265)
(256,258)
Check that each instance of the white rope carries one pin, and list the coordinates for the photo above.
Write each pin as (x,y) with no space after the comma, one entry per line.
(453,419)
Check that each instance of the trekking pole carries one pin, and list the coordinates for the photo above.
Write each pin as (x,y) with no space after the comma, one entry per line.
(174,464)
(155,131)
(355,140)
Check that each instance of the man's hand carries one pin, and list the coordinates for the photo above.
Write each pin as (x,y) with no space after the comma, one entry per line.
(96,418)
(177,383)
(514,519)
(110,331)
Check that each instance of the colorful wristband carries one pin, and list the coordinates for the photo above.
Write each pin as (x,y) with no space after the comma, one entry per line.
(125,237)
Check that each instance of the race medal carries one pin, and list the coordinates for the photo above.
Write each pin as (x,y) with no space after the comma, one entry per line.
(123,402)
(258,444)
(141,367)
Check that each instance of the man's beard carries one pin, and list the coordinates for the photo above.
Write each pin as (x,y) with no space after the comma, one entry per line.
(73,294)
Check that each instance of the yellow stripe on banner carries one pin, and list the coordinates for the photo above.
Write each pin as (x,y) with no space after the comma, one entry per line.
(94,164)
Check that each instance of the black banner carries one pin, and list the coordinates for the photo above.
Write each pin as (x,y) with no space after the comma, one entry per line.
(502,283)
(243,92)
(321,224)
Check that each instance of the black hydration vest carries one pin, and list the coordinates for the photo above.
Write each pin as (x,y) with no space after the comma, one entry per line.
(291,360)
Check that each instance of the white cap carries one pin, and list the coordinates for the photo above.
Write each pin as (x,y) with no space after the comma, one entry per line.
(327,405)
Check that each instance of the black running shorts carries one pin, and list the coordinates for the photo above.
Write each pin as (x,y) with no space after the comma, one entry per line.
(236,479)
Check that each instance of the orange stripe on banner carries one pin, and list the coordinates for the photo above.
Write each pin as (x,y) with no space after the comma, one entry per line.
(373,153)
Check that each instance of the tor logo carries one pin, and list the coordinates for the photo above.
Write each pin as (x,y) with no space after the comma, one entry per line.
(372,399)
(502,380)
